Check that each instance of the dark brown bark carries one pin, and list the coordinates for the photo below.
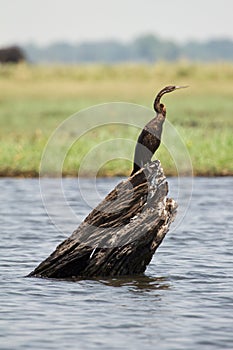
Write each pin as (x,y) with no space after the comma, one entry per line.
(120,236)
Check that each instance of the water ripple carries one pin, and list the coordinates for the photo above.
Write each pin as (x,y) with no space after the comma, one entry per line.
(184,300)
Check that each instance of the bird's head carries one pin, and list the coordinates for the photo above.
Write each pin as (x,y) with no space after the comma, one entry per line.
(159,107)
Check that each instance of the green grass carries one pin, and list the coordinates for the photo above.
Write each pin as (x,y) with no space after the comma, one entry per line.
(35,100)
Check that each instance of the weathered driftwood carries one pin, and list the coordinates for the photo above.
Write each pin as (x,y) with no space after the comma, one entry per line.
(120,236)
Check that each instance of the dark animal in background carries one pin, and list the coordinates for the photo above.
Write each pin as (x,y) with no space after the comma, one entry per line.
(149,139)
(12,54)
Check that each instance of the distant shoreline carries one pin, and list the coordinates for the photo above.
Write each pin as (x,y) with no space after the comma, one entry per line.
(34,175)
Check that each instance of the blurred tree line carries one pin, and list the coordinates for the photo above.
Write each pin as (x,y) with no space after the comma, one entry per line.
(146,48)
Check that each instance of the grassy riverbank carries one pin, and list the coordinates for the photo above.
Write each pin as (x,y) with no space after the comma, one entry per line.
(34,101)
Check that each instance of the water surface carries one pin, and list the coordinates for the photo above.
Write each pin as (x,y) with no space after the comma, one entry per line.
(184,300)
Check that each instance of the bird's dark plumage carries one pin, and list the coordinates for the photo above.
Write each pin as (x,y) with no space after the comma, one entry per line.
(149,139)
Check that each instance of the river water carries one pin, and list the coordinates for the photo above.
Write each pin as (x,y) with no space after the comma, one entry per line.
(184,300)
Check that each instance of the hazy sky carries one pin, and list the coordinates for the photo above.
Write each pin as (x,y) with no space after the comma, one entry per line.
(46,21)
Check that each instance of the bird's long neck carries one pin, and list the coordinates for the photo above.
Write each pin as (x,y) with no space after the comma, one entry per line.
(160,118)
(160,111)
(155,125)
(159,107)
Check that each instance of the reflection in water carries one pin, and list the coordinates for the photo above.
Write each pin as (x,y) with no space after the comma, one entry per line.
(137,283)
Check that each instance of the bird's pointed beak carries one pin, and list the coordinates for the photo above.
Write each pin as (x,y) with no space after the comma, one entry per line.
(182,87)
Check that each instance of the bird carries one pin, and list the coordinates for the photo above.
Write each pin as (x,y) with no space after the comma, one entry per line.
(150,137)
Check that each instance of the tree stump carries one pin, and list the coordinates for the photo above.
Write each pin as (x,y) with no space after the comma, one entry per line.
(120,236)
